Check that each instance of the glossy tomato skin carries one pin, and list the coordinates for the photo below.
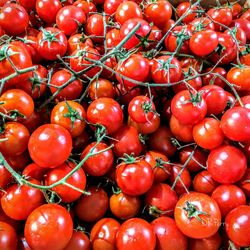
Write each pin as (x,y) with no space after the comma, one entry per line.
(221,164)
(5,176)
(34,171)
(136,234)
(168,236)
(40,145)
(182,9)
(110,6)
(78,241)
(244,183)
(107,112)
(43,222)
(212,79)
(228,197)
(203,226)
(85,6)
(8,237)
(238,225)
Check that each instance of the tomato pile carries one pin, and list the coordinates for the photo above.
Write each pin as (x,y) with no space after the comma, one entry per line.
(124,125)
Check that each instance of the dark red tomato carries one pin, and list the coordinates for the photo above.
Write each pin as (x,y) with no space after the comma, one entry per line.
(14,139)
(166,69)
(46,225)
(33,121)
(71,91)
(188,107)
(182,132)
(8,237)
(4,218)
(161,140)
(127,10)
(197,161)
(47,9)
(208,133)
(228,197)
(112,38)
(28,4)
(239,34)
(243,24)
(110,6)
(238,225)
(52,43)
(235,124)
(202,23)
(126,141)
(106,112)
(92,207)
(161,200)
(135,67)
(184,8)
(34,171)
(99,164)
(103,234)
(246,15)
(236,9)
(188,62)
(19,201)
(109,72)
(244,183)
(204,183)
(240,77)
(40,143)
(211,243)
(5,177)
(136,234)
(14,19)
(180,179)
(158,13)
(18,162)
(78,180)
(78,241)
(245,101)
(222,16)
(81,141)
(124,206)
(221,164)
(134,178)
(142,32)
(203,42)
(197,215)
(211,78)
(168,236)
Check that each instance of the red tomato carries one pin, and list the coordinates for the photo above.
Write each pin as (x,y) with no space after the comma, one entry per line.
(8,237)
(213,79)
(244,183)
(244,24)
(5,176)
(78,241)
(34,171)
(185,8)
(110,7)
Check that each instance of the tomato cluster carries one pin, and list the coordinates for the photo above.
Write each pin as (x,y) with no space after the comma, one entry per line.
(129,120)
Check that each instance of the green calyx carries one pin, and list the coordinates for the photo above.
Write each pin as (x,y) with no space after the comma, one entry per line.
(193,212)
(49,37)
(72,114)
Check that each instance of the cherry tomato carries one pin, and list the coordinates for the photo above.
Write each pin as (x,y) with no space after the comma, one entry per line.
(78,241)
(184,8)
(86,6)
(34,171)
(210,78)
(8,237)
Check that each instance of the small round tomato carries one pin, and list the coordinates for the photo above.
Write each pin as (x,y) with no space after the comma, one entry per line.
(185,8)
(211,78)
(86,6)
(78,241)
(34,171)
(202,23)
(5,176)
(136,234)
(239,34)
(244,24)
(244,183)
(221,164)
(40,143)
(197,215)
(46,225)
(8,237)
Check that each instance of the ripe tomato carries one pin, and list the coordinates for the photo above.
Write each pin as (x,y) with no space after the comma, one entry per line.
(197,215)
(86,6)
(213,79)
(221,164)
(244,24)
(136,234)
(5,176)
(184,8)
(124,206)
(46,225)
(78,241)
(40,143)
(244,183)
(168,236)
(238,225)
(202,23)
(34,171)
(8,237)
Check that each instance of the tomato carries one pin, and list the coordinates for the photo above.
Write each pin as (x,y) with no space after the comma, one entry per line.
(134,178)
(106,112)
(103,234)
(78,241)
(239,34)
(228,197)
(197,215)
(203,42)
(14,19)
(5,176)
(202,23)
(92,207)
(213,79)
(69,18)
(221,164)
(244,183)
(40,143)
(124,206)
(127,10)
(166,69)
(22,244)
(188,107)
(161,200)
(187,62)
(99,164)
(238,225)
(204,183)
(70,115)
(184,8)
(235,124)
(135,67)
(19,201)
(168,236)
(8,237)
(110,6)
(158,13)
(112,38)
(136,234)
(47,9)
(34,171)
(77,180)
(46,225)
(78,41)
(18,162)
(244,24)
(246,15)
(71,91)
(86,6)
(14,139)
